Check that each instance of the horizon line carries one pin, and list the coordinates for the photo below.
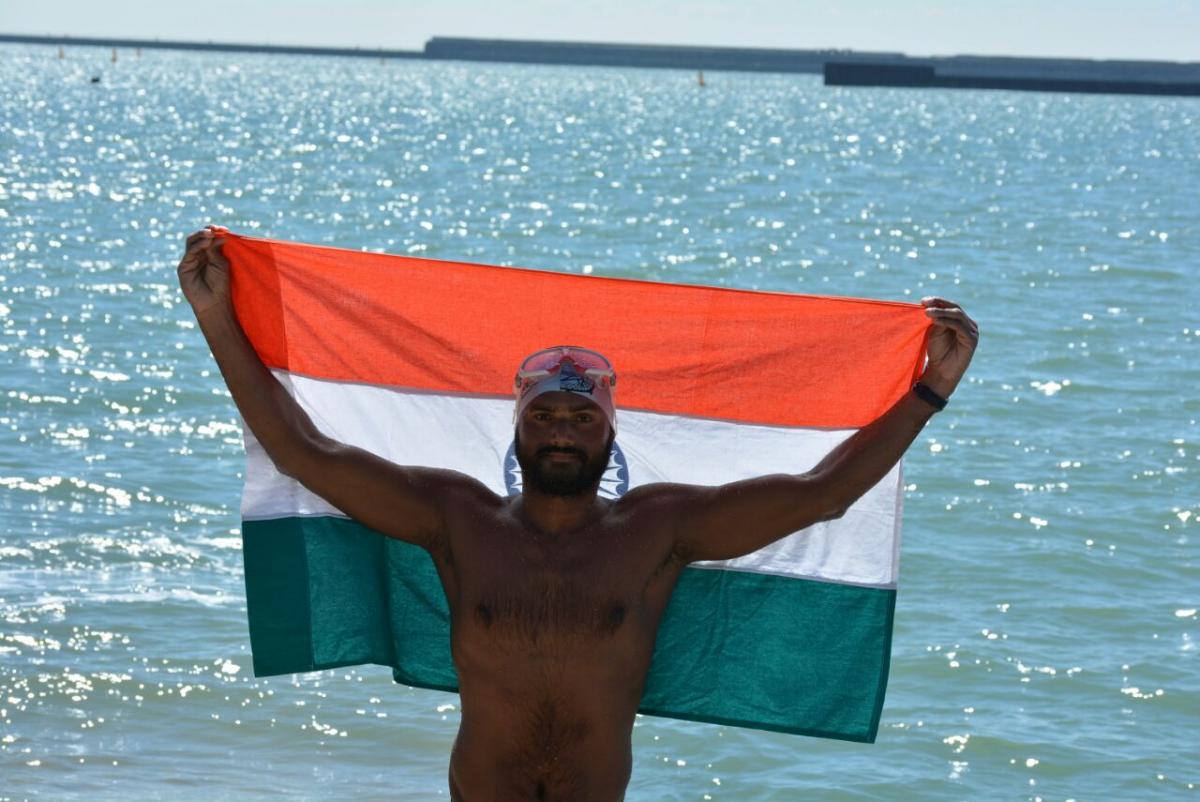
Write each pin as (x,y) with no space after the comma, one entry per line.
(382,52)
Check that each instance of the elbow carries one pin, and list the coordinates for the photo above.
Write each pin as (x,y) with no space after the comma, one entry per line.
(287,467)
(834,513)
(831,500)
(295,461)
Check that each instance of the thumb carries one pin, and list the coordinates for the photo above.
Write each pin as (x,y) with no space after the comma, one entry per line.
(215,255)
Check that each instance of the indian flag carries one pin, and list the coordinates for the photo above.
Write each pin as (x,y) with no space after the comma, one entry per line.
(414,360)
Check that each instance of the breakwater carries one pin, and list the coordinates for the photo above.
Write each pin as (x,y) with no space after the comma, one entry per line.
(839,67)
(1135,78)
(220,47)
(686,57)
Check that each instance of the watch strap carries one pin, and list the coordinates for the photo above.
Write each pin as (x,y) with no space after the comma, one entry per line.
(929,396)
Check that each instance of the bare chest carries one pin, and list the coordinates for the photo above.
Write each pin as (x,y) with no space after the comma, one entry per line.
(526,591)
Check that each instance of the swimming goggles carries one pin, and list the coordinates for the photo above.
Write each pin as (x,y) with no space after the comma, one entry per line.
(549,361)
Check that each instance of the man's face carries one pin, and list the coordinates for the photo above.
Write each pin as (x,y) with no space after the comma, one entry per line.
(563,444)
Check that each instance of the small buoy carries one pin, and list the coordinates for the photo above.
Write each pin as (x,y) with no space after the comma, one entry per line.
(114,56)
(60,51)
(95,79)
(700,77)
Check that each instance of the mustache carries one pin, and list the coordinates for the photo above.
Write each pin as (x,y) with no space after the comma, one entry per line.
(574,452)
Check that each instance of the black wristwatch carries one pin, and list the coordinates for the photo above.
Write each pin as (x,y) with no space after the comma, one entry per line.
(929,396)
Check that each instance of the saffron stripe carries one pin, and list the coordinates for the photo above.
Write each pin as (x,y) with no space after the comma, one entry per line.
(452,327)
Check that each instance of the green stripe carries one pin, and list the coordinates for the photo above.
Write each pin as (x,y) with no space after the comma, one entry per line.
(736,648)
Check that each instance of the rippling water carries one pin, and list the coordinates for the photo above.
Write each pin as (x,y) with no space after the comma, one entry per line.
(1046,631)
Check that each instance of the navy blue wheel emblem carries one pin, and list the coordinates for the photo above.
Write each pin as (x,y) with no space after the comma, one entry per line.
(613,484)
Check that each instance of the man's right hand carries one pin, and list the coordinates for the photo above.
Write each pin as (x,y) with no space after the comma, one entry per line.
(407,503)
(204,272)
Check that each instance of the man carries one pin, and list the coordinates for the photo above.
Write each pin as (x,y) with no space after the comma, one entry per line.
(555,595)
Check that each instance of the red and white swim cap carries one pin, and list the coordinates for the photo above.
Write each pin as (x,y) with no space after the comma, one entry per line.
(570,369)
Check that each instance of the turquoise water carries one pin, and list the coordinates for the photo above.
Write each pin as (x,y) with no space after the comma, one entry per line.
(1047,625)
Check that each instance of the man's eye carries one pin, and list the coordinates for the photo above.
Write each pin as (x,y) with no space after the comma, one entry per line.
(584,418)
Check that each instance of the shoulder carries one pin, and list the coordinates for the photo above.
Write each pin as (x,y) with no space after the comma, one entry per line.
(663,493)
(659,499)
(463,491)
(468,508)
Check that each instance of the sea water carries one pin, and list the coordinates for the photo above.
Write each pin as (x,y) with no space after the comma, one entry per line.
(1046,626)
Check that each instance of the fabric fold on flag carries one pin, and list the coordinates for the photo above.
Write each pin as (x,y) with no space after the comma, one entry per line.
(413,359)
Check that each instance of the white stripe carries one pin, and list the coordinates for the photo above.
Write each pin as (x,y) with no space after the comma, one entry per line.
(472,435)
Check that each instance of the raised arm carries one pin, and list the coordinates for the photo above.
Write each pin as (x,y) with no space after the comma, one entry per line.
(402,502)
(720,523)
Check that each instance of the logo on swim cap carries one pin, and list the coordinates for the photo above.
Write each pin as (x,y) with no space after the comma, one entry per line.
(613,484)
(573,382)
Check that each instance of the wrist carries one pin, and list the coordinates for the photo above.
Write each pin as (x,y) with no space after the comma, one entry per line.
(939,384)
(215,316)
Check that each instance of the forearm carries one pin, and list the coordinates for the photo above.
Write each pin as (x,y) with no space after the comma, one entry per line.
(277,421)
(855,466)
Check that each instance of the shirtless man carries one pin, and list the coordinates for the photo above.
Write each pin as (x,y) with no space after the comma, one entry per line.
(555,595)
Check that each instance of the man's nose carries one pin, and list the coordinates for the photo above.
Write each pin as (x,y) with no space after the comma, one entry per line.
(562,433)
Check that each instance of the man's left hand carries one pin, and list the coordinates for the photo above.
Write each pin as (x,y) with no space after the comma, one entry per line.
(951,345)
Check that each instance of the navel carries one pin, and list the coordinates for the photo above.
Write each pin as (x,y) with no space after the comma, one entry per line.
(613,620)
(484,614)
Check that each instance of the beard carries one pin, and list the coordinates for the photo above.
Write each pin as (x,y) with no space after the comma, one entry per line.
(563,478)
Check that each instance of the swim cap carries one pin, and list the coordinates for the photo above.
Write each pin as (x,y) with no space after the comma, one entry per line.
(570,369)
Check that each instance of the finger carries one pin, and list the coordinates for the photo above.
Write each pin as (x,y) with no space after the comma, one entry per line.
(192,260)
(215,255)
(949,312)
(935,302)
(191,265)
(944,306)
(197,254)
(952,314)
(198,242)
(961,328)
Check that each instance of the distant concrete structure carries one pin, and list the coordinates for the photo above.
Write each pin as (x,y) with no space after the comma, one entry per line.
(848,68)
(679,57)
(839,67)
(225,47)
(1032,75)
